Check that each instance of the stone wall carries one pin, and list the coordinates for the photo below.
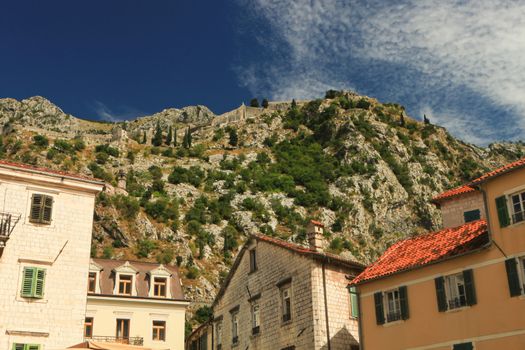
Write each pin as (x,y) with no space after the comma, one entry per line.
(62,248)
(453,209)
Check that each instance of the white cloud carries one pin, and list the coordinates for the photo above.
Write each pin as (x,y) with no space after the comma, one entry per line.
(451,45)
(105,113)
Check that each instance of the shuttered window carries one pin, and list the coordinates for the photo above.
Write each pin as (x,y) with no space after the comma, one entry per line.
(455,291)
(515,287)
(41,209)
(33,282)
(472,215)
(380,312)
(18,346)
(463,346)
(403,301)
(503,211)
(354,302)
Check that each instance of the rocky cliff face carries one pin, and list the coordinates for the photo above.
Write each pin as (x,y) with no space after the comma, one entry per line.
(363,168)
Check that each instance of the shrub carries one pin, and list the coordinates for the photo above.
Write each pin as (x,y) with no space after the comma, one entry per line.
(63,146)
(218,134)
(165,256)
(229,234)
(254,102)
(100,173)
(145,247)
(193,273)
(108,252)
(203,314)
(128,206)
(40,141)
(101,157)
(79,144)
(234,138)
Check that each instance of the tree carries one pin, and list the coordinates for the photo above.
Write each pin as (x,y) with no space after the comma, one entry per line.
(169,136)
(186,142)
(144,138)
(175,137)
(234,138)
(157,138)
(425,119)
(254,102)
(265,103)
(402,120)
(294,104)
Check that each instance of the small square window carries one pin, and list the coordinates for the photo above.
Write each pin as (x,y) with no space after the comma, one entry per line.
(393,305)
(253,260)
(88,327)
(159,330)
(159,287)
(518,207)
(124,285)
(41,209)
(92,282)
(455,291)
(286,303)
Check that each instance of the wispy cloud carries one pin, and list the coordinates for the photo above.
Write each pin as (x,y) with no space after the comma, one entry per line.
(462,59)
(123,113)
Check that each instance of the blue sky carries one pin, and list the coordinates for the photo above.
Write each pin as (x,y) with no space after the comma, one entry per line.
(459,62)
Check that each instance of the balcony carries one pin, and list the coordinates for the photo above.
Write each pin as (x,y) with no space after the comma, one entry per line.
(138,341)
(8,222)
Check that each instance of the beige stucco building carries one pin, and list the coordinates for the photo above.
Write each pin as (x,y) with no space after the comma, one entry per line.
(280,295)
(137,303)
(45,238)
(461,288)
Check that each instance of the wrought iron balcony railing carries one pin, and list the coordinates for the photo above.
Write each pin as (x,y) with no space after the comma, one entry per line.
(457,302)
(393,316)
(139,341)
(8,222)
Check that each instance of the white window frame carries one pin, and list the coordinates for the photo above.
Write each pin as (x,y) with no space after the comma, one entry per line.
(256,315)
(235,326)
(218,331)
(521,272)
(95,268)
(125,269)
(160,272)
(286,289)
(455,299)
(521,203)
(396,311)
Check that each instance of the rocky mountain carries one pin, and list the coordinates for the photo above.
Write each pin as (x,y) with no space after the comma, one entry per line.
(363,168)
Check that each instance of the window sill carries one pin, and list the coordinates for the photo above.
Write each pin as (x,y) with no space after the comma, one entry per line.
(252,272)
(521,297)
(286,323)
(393,323)
(458,309)
(31,300)
(515,224)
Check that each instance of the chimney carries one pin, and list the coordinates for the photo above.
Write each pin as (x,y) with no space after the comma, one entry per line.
(314,232)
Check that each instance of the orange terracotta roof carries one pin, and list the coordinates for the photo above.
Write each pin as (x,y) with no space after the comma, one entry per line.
(453,193)
(33,168)
(427,249)
(500,171)
(317,223)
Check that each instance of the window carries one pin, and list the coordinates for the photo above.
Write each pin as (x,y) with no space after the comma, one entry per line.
(286,303)
(472,215)
(33,280)
(18,346)
(41,209)
(253,260)
(218,331)
(455,291)
(463,346)
(92,282)
(354,303)
(255,318)
(518,207)
(159,330)
(124,284)
(88,327)
(235,327)
(122,328)
(516,275)
(391,305)
(159,286)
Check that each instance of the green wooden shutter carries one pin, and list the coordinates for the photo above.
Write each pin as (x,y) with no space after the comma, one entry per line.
(380,313)
(471,215)
(354,302)
(17,346)
(47,209)
(403,301)
(28,276)
(463,346)
(39,283)
(470,289)
(503,211)
(37,201)
(440,294)
(32,347)
(511,265)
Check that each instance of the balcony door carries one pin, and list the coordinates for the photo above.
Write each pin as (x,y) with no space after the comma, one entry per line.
(122,328)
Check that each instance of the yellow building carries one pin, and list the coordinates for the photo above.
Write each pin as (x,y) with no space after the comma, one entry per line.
(461,288)
(136,303)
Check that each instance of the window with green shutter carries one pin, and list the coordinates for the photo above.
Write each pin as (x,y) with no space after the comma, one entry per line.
(354,302)
(380,311)
(41,209)
(503,211)
(513,278)
(463,346)
(18,346)
(471,215)
(33,282)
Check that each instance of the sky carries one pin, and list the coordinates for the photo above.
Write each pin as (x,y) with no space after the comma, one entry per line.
(459,62)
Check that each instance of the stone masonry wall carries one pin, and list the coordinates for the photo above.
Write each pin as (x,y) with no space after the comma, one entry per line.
(343,328)
(62,248)
(274,265)
(452,210)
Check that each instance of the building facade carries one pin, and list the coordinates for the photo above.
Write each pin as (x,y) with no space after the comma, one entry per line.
(281,295)
(136,303)
(46,222)
(461,288)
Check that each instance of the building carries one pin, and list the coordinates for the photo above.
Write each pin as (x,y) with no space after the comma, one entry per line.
(461,288)
(46,222)
(137,303)
(280,295)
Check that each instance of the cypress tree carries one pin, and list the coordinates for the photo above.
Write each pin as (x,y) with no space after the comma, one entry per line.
(189,137)
(265,103)
(234,139)
(157,138)
(175,137)
(169,136)
(144,138)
